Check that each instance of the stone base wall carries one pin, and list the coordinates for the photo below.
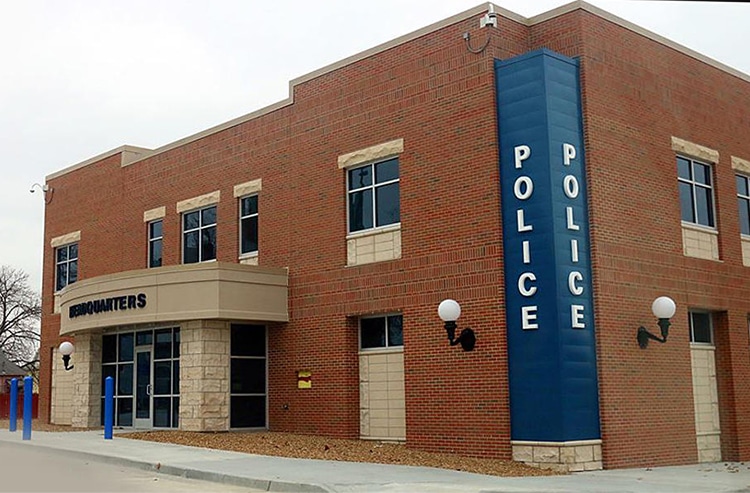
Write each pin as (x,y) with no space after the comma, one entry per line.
(585,455)
(204,375)
(87,380)
(61,405)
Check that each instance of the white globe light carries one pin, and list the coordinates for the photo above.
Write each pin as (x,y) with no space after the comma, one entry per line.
(663,307)
(449,310)
(66,348)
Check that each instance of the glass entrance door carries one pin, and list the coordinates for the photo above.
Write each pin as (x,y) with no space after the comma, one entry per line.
(145,366)
(143,388)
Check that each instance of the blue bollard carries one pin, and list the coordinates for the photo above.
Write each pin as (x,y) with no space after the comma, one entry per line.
(13,404)
(109,400)
(28,388)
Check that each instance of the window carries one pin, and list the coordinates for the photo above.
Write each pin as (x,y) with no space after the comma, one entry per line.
(166,379)
(154,243)
(701,328)
(381,332)
(373,195)
(66,265)
(117,362)
(248,224)
(696,192)
(743,197)
(247,378)
(199,235)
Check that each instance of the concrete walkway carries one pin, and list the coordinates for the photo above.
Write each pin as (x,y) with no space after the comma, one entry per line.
(282,474)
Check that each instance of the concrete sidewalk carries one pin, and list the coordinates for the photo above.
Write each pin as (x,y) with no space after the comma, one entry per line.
(303,475)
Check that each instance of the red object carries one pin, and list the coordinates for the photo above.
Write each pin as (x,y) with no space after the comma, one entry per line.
(5,405)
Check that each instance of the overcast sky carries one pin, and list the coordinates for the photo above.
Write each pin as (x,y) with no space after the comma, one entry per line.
(81,77)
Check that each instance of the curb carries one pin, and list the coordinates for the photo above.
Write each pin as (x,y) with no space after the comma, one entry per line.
(191,473)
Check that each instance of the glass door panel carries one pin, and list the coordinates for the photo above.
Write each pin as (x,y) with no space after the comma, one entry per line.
(143,388)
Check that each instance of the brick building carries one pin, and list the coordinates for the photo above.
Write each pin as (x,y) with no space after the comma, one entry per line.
(554,175)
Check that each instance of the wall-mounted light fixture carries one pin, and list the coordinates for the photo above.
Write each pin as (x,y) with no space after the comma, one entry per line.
(663,308)
(66,349)
(449,311)
(46,190)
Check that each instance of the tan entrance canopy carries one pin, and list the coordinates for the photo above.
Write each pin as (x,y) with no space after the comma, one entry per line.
(212,290)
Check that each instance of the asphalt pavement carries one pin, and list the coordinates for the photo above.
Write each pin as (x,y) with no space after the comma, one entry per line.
(307,475)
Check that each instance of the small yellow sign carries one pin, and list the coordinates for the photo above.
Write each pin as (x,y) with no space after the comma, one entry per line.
(304,379)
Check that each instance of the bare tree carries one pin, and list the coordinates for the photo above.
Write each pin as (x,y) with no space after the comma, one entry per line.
(20,312)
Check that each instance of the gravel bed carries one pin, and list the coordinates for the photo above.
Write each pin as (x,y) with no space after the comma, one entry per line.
(316,447)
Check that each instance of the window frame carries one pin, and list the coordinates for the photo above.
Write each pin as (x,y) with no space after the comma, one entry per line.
(152,240)
(68,260)
(746,199)
(691,330)
(250,253)
(264,358)
(387,345)
(693,183)
(373,193)
(200,229)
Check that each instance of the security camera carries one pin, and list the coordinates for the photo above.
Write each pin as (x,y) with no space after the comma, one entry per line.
(490,18)
(44,188)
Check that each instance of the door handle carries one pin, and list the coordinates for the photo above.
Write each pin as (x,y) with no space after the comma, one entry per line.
(148,389)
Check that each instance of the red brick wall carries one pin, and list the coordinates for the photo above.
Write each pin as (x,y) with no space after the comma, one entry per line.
(638,93)
(439,98)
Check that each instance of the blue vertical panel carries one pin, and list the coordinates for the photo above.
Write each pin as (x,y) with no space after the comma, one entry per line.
(549,302)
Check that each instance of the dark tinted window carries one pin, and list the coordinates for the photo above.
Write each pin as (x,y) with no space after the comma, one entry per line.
(700,327)
(125,411)
(155,229)
(248,412)
(208,243)
(683,168)
(162,377)
(704,206)
(744,216)
(109,371)
(373,332)
(702,174)
(248,340)
(386,171)
(143,338)
(162,412)
(387,198)
(109,349)
(373,203)
(696,192)
(163,344)
(248,375)
(686,202)
(126,346)
(191,220)
(395,330)
(249,241)
(742,187)
(125,379)
(249,205)
(360,210)
(381,332)
(360,177)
